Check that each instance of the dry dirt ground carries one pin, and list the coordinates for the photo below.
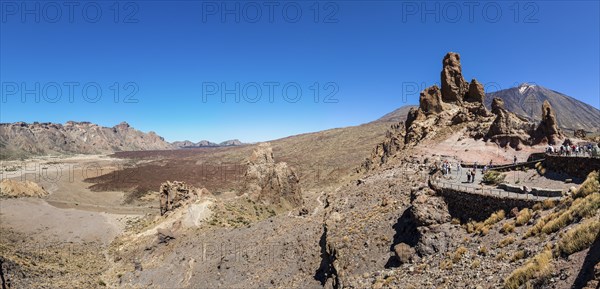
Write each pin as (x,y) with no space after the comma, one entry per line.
(72,221)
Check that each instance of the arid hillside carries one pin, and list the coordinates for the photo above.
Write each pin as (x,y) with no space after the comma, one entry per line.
(321,159)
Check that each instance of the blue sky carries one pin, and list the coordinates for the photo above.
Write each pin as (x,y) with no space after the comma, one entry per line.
(170,62)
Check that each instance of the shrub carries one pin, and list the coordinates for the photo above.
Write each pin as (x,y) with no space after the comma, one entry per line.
(506,241)
(548,204)
(473,226)
(538,267)
(581,208)
(458,254)
(579,238)
(537,228)
(523,217)
(475,264)
(493,178)
(589,186)
(518,256)
(495,218)
(508,227)
(483,250)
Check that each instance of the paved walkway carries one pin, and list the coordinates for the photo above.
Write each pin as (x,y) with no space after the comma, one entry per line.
(454,182)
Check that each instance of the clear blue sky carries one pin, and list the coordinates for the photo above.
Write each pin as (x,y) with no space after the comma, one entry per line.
(362,52)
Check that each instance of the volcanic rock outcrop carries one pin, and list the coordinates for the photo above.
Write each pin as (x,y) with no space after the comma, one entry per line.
(457,102)
(14,189)
(270,182)
(176,194)
(430,100)
(430,213)
(547,131)
(394,141)
(508,128)
(454,86)
(476,92)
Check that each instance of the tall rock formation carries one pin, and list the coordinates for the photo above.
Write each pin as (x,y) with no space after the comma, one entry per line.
(270,182)
(547,131)
(454,86)
(457,102)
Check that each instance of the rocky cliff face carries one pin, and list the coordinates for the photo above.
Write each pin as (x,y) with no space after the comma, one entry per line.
(394,142)
(270,182)
(23,139)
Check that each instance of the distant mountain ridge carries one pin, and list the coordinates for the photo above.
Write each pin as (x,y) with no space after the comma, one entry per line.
(205,143)
(527,99)
(22,139)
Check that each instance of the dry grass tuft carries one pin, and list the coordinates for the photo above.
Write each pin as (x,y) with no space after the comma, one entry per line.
(580,237)
(523,217)
(590,185)
(483,250)
(536,268)
(549,204)
(458,254)
(507,228)
(581,208)
(518,256)
(495,218)
(506,241)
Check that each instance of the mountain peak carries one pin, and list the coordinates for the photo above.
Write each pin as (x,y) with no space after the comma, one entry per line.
(527,100)
(523,87)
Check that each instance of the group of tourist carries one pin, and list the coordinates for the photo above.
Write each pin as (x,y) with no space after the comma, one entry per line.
(446,168)
(575,150)
(471,175)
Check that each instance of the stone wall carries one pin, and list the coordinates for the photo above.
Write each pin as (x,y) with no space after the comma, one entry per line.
(466,206)
(573,166)
(542,192)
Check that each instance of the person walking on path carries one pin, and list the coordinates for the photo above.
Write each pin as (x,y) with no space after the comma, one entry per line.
(515,160)
(468,176)
(473,175)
